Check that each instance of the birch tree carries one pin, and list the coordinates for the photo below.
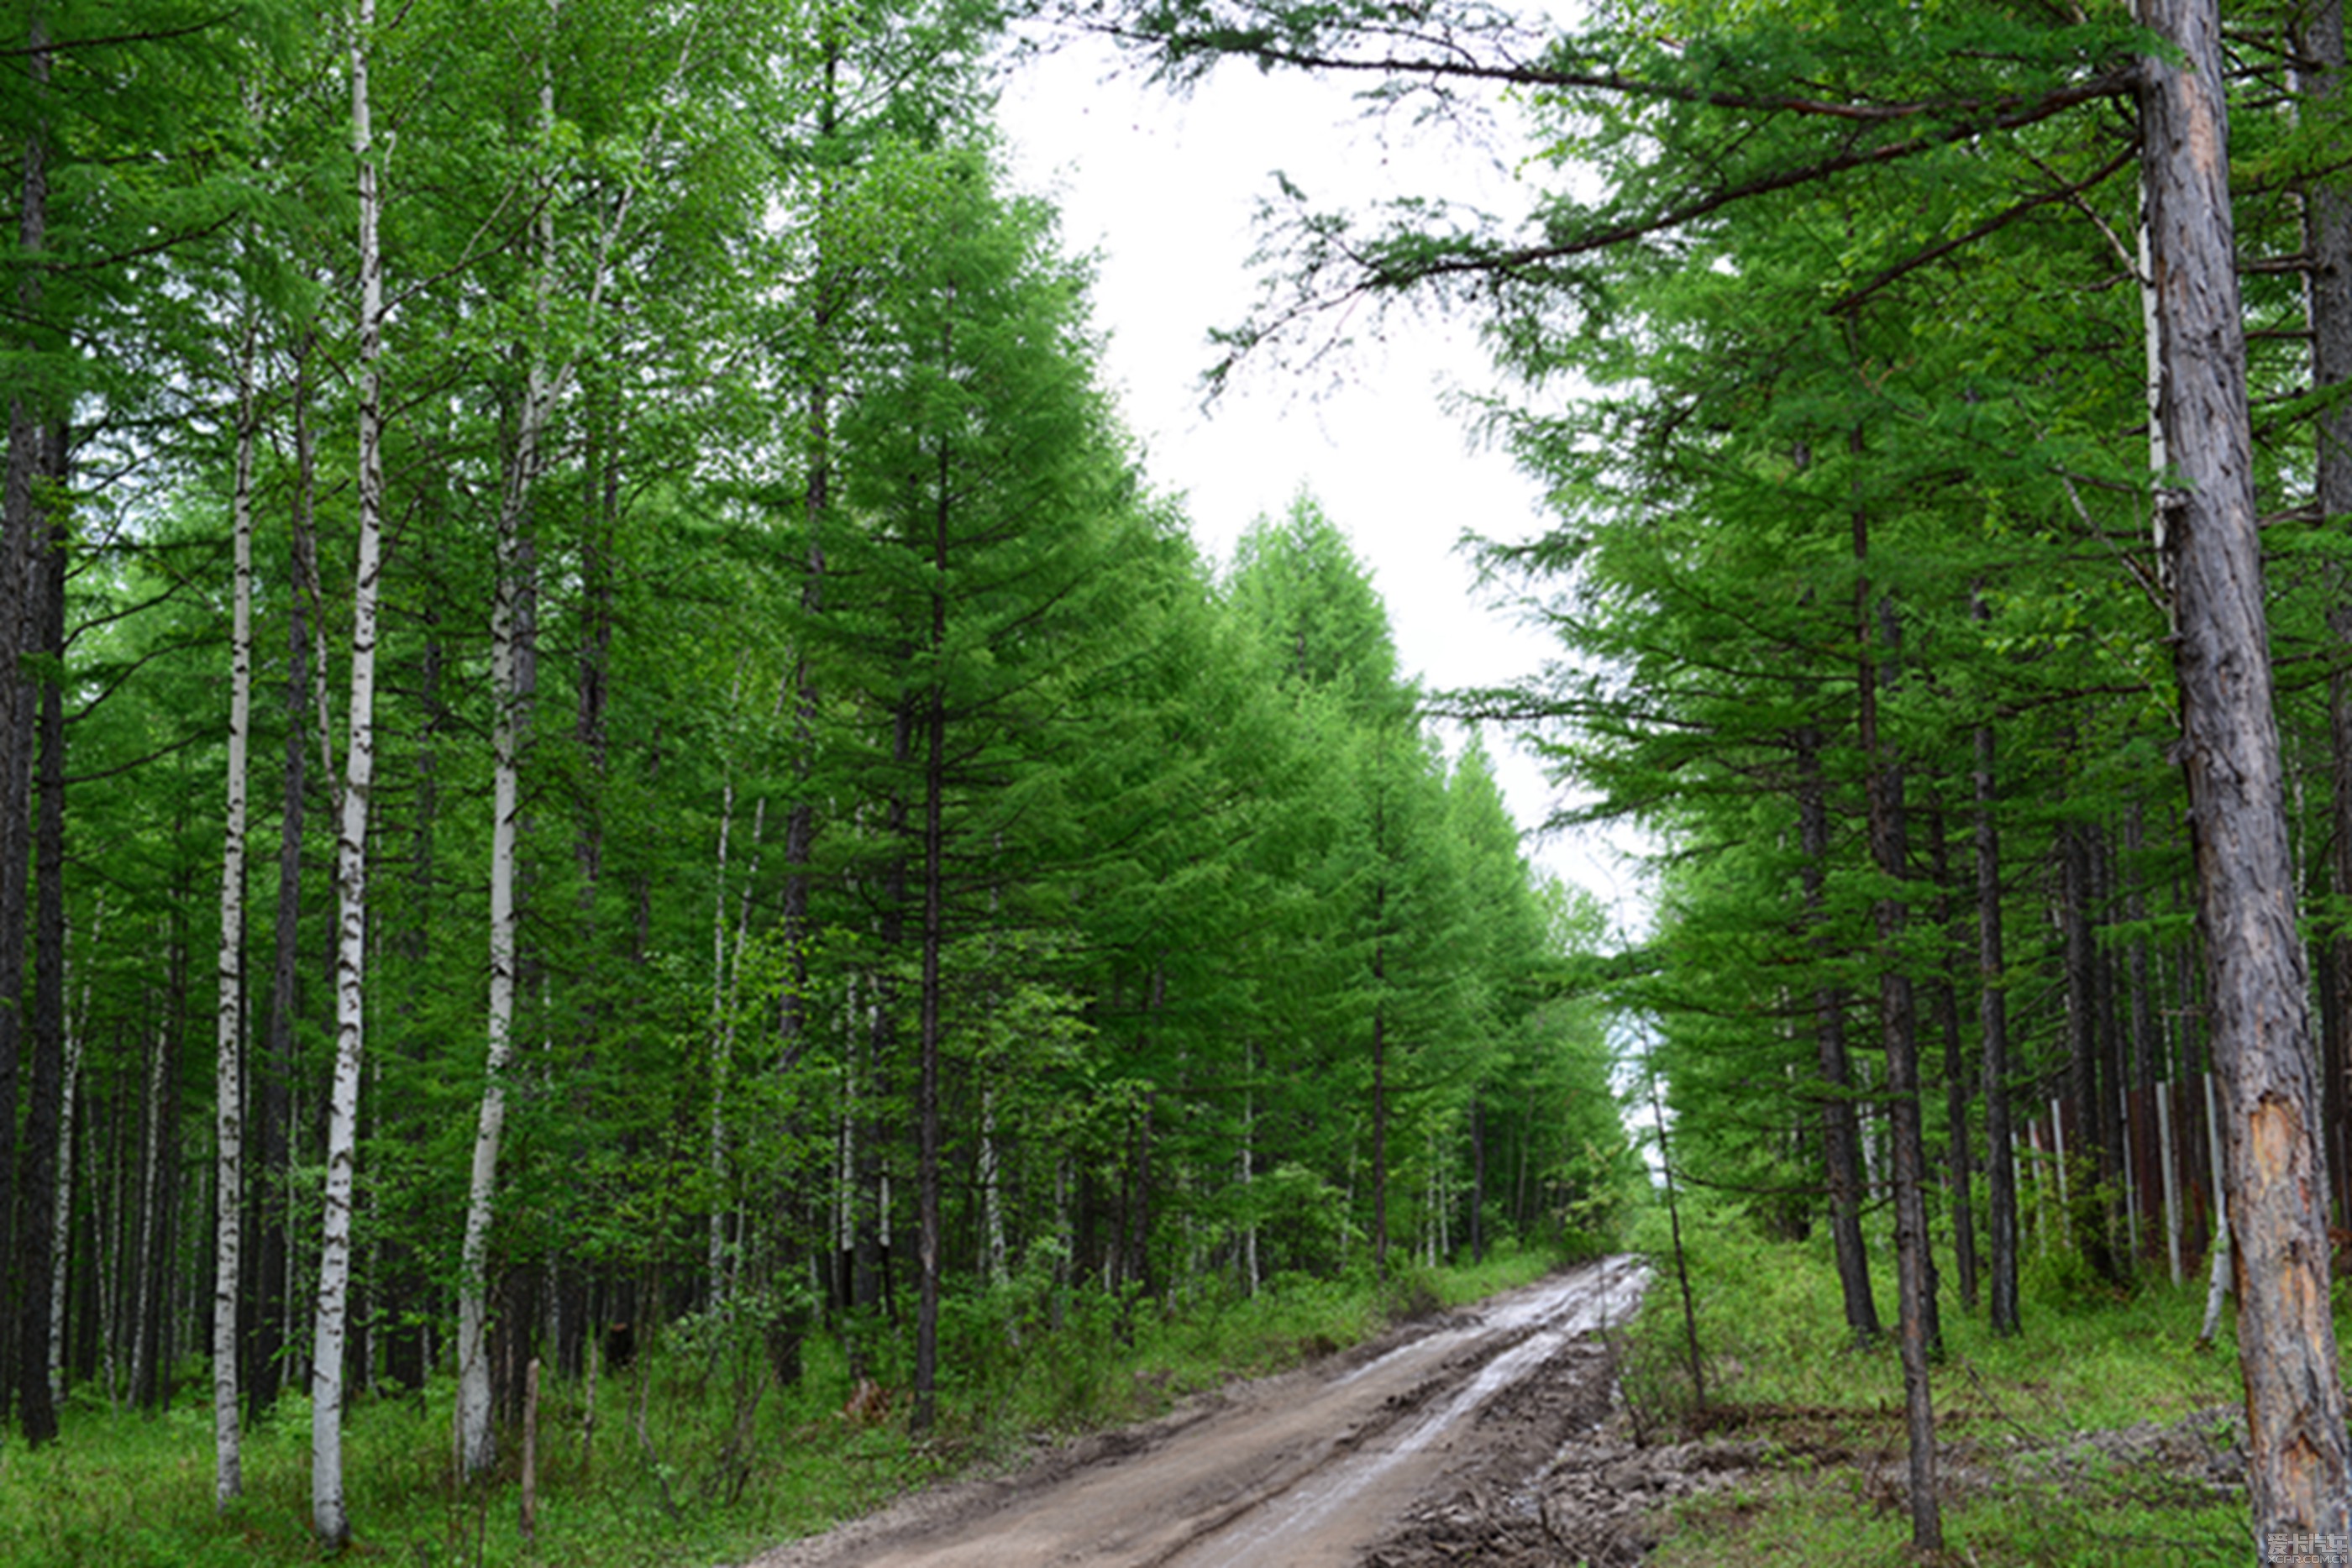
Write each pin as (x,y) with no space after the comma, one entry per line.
(329,1517)
(547,380)
(228,1006)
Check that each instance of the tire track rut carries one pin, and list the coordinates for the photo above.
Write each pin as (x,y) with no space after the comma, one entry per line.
(1310,1468)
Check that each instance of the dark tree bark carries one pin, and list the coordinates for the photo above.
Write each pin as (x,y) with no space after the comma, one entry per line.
(21,549)
(1992,1024)
(1916,1330)
(1841,1137)
(2327,241)
(816,510)
(2300,1470)
(1945,994)
(929,1220)
(2086,1149)
(272,1212)
(44,1106)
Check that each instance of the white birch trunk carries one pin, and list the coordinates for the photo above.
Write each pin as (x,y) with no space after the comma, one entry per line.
(328,1516)
(991,1195)
(724,976)
(544,388)
(475,1448)
(229,1477)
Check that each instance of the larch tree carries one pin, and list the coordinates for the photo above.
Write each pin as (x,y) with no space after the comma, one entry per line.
(1725,119)
(2208,536)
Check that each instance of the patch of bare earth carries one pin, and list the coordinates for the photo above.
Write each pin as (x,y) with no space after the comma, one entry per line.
(1573,1486)
(1492,1435)
(1329,1465)
(1558,1481)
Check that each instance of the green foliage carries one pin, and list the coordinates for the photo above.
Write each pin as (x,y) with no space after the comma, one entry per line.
(693,1452)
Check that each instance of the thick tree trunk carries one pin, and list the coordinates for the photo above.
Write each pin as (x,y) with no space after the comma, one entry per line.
(21,529)
(2327,241)
(228,1002)
(329,1517)
(2300,1470)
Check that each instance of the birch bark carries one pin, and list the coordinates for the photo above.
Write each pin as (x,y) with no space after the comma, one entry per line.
(228,1009)
(511,681)
(329,1517)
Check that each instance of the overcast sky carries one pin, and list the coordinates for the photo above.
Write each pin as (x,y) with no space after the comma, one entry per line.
(1161,190)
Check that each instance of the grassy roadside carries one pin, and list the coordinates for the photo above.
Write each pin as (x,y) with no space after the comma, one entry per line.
(2089,1440)
(721,1466)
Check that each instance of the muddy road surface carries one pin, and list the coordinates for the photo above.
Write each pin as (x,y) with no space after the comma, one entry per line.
(1317,1467)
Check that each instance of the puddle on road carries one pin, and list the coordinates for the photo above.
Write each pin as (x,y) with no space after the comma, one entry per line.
(1270,1537)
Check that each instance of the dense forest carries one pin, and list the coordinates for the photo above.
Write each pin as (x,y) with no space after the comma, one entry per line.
(1948,410)
(604,729)
(604,733)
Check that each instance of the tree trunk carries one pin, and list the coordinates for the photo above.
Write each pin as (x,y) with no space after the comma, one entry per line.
(328,1516)
(20,552)
(272,1216)
(42,1113)
(928,1222)
(511,666)
(1914,1269)
(228,1005)
(2301,1473)
(1841,1135)
(1993,1021)
(61,1211)
(1947,1005)
(2087,1219)
(2328,241)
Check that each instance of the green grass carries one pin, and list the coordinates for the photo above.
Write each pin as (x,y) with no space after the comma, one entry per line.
(1783,1372)
(132,1491)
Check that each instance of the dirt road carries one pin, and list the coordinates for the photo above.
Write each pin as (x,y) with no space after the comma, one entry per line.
(1317,1466)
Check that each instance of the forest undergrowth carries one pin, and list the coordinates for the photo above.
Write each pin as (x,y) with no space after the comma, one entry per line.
(2100,1434)
(695,1453)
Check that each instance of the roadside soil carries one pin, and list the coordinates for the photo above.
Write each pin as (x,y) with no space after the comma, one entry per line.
(1494,1434)
(1440,1443)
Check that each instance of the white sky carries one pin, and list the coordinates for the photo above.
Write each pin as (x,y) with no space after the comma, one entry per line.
(1161,190)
